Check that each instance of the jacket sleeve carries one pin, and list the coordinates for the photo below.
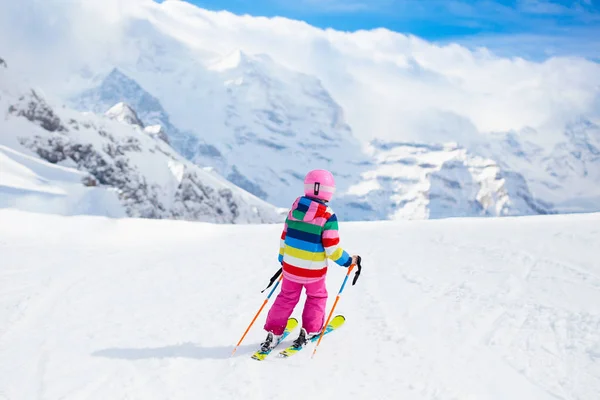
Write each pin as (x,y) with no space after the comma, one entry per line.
(331,243)
(282,242)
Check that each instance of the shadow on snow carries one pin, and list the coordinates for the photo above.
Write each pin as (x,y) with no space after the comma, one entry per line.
(184,350)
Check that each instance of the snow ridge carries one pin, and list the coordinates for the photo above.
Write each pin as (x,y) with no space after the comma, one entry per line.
(124,113)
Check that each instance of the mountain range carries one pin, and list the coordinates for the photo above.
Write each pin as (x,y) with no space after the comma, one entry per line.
(277,124)
(55,159)
(260,120)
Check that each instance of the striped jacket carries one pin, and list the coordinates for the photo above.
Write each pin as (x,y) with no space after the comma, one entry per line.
(310,236)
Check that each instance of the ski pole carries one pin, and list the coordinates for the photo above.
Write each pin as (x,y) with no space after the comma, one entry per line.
(256,316)
(336,301)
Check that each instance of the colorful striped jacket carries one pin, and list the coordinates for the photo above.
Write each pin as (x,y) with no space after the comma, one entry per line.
(310,236)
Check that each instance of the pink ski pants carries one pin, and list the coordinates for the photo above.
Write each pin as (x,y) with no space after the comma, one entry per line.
(313,315)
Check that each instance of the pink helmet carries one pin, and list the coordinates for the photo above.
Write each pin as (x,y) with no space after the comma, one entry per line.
(319,184)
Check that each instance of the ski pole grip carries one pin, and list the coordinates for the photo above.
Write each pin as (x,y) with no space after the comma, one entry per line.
(358,259)
(273,279)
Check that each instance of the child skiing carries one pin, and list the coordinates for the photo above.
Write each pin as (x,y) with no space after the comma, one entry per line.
(310,236)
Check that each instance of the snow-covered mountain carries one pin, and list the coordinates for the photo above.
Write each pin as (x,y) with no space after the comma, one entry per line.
(264,115)
(275,125)
(123,112)
(114,153)
(505,174)
(417,181)
(266,127)
(118,88)
(260,108)
(565,175)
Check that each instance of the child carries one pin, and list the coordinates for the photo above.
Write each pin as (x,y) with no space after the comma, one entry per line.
(309,237)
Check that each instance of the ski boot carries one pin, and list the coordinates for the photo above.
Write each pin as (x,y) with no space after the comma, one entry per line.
(270,342)
(303,338)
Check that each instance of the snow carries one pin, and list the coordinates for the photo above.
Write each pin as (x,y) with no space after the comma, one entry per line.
(99,308)
(123,113)
(29,183)
(230,61)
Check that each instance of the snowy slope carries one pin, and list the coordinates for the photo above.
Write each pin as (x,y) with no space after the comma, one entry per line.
(482,309)
(29,183)
(151,179)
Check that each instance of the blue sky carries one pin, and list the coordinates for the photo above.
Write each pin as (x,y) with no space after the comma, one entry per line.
(535,28)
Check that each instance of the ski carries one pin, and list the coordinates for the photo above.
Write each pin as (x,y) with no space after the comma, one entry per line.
(334,324)
(291,325)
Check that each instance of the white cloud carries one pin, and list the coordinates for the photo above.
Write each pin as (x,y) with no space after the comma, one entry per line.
(52,38)
(390,85)
(580,42)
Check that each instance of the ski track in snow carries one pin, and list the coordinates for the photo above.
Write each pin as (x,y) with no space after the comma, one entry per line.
(97,308)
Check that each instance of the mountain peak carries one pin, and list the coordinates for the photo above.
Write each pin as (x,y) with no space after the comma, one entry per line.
(116,74)
(116,88)
(117,81)
(122,112)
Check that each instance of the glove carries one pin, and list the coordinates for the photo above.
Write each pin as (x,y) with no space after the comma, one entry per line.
(356,259)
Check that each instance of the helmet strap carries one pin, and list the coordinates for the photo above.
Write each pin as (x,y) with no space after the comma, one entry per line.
(316,188)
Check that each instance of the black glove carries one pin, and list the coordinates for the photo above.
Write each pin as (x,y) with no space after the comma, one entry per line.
(358,260)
